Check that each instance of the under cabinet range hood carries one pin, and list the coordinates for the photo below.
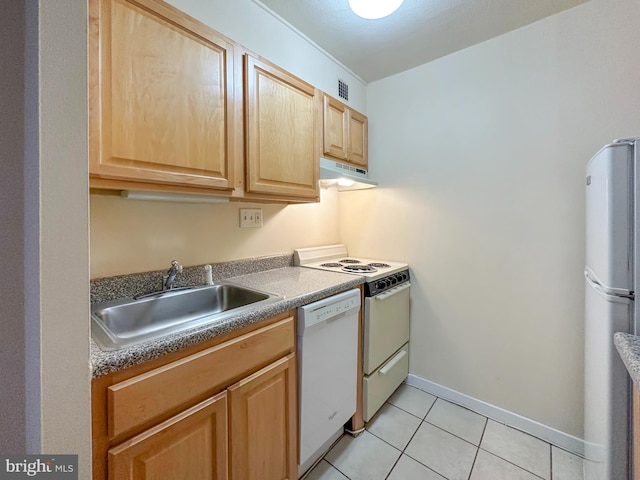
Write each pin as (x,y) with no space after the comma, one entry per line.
(343,177)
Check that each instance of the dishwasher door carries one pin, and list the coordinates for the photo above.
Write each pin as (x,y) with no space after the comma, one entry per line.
(327,371)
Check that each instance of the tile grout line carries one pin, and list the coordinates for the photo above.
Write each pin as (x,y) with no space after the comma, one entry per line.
(453,434)
(478,447)
(473,464)
(520,466)
(333,466)
(426,466)
(422,420)
(514,464)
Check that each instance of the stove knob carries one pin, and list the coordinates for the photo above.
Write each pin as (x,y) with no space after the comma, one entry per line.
(380,285)
(401,277)
(387,282)
(393,280)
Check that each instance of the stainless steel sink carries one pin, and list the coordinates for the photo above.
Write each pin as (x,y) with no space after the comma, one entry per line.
(125,322)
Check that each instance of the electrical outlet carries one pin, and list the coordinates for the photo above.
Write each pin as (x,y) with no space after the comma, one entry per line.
(250,217)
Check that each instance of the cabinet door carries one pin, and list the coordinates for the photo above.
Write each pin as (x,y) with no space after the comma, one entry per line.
(358,138)
(282,132)
(263,419)
(190,445)
(161,96)
(336,124)
(345,132)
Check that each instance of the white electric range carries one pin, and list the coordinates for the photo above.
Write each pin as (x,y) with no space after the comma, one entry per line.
(385,361)
(335,258)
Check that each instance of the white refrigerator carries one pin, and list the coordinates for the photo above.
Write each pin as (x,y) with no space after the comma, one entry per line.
(610,276)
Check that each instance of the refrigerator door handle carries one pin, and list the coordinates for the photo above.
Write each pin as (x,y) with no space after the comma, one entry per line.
(607,294)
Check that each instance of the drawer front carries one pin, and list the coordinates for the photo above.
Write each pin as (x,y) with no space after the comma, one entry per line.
(382,383)
(138,400)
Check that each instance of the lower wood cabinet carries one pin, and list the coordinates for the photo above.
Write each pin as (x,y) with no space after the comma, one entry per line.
(192,444)
(226,409)
(263,423)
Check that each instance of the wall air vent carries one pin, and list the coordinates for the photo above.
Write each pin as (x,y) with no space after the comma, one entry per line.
(343,90)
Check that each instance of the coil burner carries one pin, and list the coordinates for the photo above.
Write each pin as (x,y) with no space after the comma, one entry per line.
(359,268)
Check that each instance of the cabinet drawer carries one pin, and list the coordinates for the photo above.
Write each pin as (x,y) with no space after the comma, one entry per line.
(136,401)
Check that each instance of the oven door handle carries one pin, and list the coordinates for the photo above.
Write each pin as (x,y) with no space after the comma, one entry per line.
(391,292)
(392,363)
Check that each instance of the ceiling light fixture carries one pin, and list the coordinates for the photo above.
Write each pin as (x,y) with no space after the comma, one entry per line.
(372,9)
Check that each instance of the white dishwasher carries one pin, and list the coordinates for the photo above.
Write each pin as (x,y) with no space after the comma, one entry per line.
(327,371)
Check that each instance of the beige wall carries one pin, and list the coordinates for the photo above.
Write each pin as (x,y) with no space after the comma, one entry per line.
(63,277)
(45,232)
(135,236)
(481,157)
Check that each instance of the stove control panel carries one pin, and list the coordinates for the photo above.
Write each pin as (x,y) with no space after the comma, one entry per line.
(385,283)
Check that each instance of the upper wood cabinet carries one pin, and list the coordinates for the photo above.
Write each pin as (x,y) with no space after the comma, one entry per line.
(336,128)
(345,132)
(282,127)
(162,107)
(358,139)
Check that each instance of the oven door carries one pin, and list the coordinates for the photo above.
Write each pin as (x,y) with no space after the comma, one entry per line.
(386,325)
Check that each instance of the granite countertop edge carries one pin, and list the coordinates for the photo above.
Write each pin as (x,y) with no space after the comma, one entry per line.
(315,285)
(628,346)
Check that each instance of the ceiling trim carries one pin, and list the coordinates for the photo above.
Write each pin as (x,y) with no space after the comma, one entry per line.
(309,41)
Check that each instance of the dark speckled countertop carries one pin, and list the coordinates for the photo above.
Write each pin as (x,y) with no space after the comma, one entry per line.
(297,286)
(628,346)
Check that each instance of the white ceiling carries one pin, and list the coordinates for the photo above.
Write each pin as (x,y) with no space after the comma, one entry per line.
(418,32)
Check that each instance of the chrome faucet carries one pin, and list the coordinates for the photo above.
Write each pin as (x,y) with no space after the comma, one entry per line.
(175,269)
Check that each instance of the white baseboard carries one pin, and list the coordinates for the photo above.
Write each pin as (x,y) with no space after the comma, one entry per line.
(555,437)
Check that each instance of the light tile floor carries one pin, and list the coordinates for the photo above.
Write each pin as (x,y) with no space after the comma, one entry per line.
(416,436)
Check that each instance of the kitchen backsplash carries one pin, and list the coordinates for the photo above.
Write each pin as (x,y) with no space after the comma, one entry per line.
(123,286)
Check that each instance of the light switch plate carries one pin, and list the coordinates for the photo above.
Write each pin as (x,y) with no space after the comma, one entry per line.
(250,217)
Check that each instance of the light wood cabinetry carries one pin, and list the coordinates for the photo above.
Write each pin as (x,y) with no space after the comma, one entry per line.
(175,106)
(225,408)
(345,133)
(282,119)
(335,128)
(192,444)
(263,423)
(358,139)
(161,98)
